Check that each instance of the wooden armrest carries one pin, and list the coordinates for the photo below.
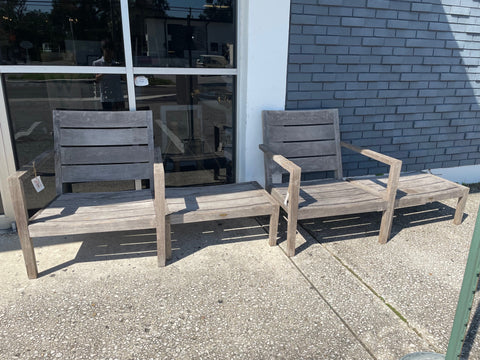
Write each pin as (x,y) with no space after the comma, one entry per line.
(295,172)
(281,160)
(19,175)
(29,169)
(17,193)
(159,190)
(393,175)
(372,154)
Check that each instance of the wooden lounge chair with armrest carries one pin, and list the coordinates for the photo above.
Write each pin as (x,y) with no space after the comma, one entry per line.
(89,147)
(306,141)
(104,146)
(297,142)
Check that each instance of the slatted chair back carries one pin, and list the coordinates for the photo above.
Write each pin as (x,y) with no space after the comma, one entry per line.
(309,138)
(93,146)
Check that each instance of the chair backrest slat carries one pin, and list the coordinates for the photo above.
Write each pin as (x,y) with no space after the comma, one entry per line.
(88,173)
(102,137)
(304,149)
(309,138)
(104,155)
(102,146)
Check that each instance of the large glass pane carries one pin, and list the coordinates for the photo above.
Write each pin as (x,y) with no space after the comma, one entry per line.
(194,127)
(183,33)
(58,32)
(30,100)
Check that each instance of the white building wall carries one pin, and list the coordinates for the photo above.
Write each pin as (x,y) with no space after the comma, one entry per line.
(263,55)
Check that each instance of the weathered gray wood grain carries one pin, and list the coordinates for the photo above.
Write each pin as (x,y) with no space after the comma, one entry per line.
(299,117)
(103,137)
(88,173)
(104,155)
(300,133)
(109,119)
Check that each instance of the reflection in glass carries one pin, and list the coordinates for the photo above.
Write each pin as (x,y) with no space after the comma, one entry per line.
(31,99)
(183,33)
(193,124)
(109,85)
(58,32)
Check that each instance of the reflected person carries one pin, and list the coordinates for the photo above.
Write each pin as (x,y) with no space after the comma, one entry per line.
(111,93)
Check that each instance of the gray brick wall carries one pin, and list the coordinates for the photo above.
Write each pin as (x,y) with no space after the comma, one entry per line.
(404,74)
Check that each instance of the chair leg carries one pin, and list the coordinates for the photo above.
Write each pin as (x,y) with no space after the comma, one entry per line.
(161,241)
(386,225)
(28,253)
(273,228)
(168,239)
(291,233)
(457,219)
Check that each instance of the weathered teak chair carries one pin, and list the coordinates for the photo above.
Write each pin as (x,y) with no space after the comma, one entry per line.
(309,141)
(89,147)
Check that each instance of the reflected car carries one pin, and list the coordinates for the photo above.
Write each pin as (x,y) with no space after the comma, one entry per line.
(212,61)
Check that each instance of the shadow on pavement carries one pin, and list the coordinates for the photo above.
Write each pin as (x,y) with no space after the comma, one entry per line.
(356,226)
(186,240)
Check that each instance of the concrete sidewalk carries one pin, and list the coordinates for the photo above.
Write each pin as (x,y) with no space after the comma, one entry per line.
(227,295)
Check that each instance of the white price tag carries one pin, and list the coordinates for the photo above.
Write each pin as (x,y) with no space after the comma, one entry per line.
(38,184)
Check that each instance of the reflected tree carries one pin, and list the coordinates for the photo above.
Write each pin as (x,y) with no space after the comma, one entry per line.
(17,25)
(218,11)
(85,20)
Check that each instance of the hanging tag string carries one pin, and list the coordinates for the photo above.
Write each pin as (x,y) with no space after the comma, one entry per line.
(34,170)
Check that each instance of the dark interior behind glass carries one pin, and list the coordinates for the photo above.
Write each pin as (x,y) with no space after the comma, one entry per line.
(188,33)
(194,126)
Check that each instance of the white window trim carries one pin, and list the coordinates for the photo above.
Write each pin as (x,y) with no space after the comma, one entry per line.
(33,69)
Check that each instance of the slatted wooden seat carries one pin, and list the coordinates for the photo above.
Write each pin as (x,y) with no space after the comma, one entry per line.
(91,147)
(419,188)
(229,201)
(297,142)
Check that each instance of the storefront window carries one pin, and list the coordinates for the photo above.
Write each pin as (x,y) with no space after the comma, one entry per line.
(193,124)
(188,33)
(31,99)
(62,32)
(193,114)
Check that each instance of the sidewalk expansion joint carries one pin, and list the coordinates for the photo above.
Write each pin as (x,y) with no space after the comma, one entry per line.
(314,288)
(381,298)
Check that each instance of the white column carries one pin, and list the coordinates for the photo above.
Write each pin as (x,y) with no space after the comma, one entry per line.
(7,162)
(262,76)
